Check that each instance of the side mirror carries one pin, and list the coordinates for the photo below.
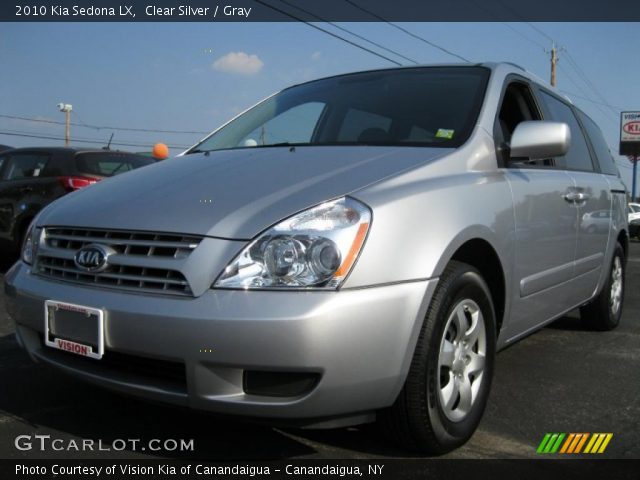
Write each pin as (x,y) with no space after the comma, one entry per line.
(537,140)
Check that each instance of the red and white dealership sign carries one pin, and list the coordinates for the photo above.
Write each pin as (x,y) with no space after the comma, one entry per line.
(630,133)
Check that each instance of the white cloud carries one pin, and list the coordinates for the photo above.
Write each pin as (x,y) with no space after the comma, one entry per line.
(316,55)
(239,62)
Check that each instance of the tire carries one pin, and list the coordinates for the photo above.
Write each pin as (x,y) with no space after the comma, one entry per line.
(420,420)
(603,313)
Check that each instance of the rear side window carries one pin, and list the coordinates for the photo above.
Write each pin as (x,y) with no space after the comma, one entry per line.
(25,165)
(600,146)
(109,163)
(578,157)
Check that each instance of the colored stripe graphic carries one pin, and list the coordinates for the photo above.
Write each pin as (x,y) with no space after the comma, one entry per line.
(550,443)
(581,443)
(556,446)
(543,443)
(574,443)
(568,442)
(598,442)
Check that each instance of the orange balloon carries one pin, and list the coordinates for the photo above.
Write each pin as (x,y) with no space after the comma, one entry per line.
(160,151)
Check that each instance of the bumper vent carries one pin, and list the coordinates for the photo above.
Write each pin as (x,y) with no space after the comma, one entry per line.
(143,262)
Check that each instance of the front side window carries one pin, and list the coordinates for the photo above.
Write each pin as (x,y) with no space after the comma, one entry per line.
(578,157)
(25,165)
(427,106)
(517,106)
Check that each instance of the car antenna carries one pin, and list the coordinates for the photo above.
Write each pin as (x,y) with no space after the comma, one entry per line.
(108,147)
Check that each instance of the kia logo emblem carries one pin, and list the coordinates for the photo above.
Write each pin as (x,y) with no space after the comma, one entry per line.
(92,258)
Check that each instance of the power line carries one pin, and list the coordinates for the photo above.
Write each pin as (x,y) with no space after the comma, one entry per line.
(548,37)
(411,34)
(579,71)
(334,35)
(79,140)
(538,44)
(583,76)
(606,113)
(573,94)
(99,127)
(586,79)
(350,32)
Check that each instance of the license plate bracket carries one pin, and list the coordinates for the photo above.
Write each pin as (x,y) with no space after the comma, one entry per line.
(74,328)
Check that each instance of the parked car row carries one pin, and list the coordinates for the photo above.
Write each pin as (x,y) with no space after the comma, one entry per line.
(31,178)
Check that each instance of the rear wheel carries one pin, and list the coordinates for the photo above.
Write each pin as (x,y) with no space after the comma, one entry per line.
(604,312)
(448,384)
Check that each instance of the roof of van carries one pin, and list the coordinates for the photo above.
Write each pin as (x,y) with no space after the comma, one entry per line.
(504,68)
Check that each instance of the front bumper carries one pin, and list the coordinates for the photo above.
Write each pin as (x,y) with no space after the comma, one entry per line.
(359,341)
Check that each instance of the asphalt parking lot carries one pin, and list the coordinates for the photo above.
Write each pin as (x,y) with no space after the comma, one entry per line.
(561,379)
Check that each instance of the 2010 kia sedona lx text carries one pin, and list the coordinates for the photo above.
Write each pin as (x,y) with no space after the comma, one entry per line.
(352,248)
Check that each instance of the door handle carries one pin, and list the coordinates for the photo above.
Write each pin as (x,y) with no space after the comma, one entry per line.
(576,197)
(26,190)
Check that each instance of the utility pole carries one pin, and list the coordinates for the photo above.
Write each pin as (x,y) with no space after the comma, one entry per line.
(635,176)
(554,61)
(66,108)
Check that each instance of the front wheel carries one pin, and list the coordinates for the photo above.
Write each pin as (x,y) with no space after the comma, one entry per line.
(604,312)
(446,390)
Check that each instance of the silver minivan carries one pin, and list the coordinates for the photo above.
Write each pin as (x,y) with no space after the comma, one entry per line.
(351,249)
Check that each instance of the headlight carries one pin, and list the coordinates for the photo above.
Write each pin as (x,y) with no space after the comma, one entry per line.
(315,248)
(30,244)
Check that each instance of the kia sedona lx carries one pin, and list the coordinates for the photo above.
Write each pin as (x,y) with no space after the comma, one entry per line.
(351,249)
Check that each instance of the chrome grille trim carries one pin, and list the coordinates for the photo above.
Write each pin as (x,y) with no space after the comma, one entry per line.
(124,242)
(145,262)
(114,241)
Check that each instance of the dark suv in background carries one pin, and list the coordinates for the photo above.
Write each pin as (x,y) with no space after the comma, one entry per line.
(31,178)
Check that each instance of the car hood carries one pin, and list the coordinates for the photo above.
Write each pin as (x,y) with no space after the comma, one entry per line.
(232,194)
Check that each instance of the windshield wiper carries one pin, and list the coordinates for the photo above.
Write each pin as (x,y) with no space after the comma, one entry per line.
(197,150)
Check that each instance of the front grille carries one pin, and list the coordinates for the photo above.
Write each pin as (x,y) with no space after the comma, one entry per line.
(123,242)
(143,261)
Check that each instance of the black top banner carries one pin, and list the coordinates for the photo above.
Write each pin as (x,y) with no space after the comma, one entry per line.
(320,10)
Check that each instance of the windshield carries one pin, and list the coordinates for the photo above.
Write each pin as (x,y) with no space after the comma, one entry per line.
(426,106)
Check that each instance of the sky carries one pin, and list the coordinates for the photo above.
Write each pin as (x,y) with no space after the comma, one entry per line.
(196,76)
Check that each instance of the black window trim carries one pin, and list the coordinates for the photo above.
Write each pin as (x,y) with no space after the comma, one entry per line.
(594,163)
(594,155)
(497,129)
